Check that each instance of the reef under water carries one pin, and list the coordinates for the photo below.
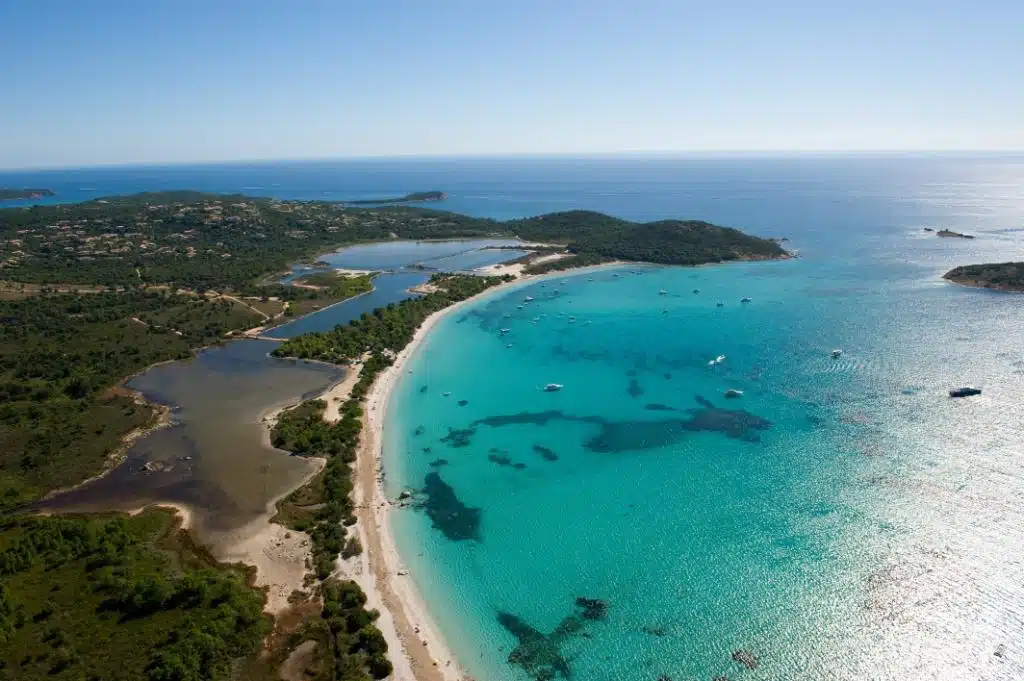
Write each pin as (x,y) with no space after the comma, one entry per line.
(539,654)
(633,435)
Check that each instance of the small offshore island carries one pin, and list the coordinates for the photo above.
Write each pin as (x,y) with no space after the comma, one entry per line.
(100,291)
(414,197)
(1005,276)
(20,194)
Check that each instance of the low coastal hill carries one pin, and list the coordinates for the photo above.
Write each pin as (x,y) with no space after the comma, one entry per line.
(202,241)
(1004,276)
(594,237)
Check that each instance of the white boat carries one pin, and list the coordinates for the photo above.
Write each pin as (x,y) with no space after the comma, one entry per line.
(504,331)
(527,299)
(572,319)
(836,353)
(662,292)
(719,304)
(733,393)
(508,345)
(719,359)
(445,394)
(553,387)
(745,300)
(696,290)
(519,307)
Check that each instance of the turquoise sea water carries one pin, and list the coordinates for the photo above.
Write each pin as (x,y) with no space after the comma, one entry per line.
(842,520)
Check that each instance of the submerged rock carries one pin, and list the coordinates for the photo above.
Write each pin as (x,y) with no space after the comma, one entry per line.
(446,511)
(545,453)
(621,436)
(593,608)
(746,658)
(499,459)
(635,389)
(419,431)
(457,437)
(423,388)
(438,463)
(540,654)
(654,631)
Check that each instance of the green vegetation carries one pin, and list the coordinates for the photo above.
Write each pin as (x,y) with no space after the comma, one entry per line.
(571,262)
(109,599)
(15,194)
(408,198)
(595,237)
(60,355)
(303,431)
(202,241)
(349,645)
(1004,276)
(196,241)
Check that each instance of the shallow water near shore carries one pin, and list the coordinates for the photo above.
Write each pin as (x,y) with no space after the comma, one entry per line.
(843,519)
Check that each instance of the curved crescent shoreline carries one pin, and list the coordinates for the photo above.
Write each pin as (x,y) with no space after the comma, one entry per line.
(405,618)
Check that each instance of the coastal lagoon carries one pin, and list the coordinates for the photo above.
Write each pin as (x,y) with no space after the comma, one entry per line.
(843,519)
(214,456)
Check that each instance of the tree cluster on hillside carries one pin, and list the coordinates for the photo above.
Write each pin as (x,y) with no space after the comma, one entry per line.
(119,598)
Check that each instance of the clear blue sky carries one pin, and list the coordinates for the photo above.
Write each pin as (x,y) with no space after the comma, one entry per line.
(133,81)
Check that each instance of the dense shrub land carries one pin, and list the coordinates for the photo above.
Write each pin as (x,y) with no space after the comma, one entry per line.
(115,598)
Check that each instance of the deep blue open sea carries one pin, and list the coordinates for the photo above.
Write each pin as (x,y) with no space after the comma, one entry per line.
(843,519)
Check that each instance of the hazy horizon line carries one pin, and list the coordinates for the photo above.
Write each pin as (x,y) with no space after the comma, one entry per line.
(665,154)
